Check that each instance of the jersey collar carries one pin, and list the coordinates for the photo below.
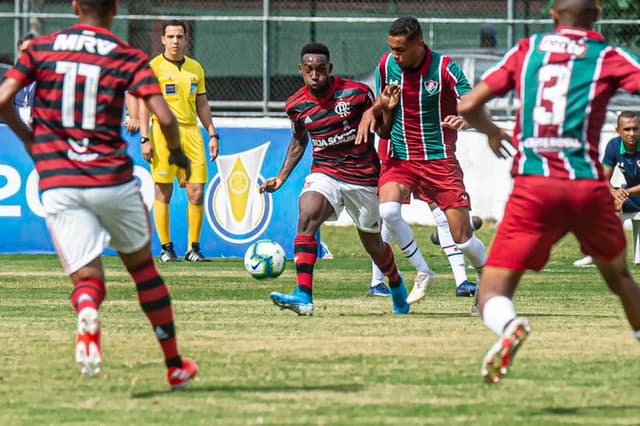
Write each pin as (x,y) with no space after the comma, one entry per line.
(86,27)
(623,148)
(580,32)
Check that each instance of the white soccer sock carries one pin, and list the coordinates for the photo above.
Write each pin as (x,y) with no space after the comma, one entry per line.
(455,256)
(474,249)
(376,274)
(497,313)
(390,212)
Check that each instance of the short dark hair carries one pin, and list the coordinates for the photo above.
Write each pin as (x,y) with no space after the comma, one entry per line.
(315,48)
(406,26)
(26,36)
(174,23)
(96,7)
(627,115)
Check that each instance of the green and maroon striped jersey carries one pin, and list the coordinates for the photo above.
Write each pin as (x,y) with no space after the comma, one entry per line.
(428,95)
(564,81)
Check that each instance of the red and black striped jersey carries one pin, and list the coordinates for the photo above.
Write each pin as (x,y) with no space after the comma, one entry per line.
(332,124)
(82,73)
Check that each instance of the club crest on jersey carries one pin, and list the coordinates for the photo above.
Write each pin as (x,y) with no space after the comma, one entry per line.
(236,210)
(431,86)
(342,108)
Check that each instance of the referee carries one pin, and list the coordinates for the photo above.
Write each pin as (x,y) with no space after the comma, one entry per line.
(183,86)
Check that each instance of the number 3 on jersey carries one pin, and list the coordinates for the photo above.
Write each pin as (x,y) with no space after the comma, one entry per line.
(556,94)
(71,71)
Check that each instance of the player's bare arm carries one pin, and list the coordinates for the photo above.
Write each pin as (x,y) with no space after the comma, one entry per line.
(204,114)
(296,149)
(472,109)
(8,89)
(144,116)
(372,119)
(132,123)
(169,125)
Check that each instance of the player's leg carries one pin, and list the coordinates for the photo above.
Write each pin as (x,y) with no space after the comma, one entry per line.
(79,254)
(86,298)
(193,145)
(617,276)
(391,194)
(397,180)
(161,204)
(377,286)
(128,226)
(155,300)
(499,315)
(600,235)
(320,200)
(163,175)
(534,220)
(455,256)
(464,238)
(195,218)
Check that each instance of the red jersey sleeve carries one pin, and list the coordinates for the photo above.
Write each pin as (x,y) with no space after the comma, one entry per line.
(144,82)
(628,69)
(502,77)
(25,70)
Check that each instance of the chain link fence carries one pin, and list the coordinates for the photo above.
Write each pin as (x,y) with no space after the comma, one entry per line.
(250,49)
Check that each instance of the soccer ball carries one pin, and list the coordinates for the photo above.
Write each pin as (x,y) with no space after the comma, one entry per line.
(265,259)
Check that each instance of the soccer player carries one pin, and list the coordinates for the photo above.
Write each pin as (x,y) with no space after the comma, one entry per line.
(622,151)
(564,80)
(89,194)
(182,81)
(455,257)
(418,92)
(327,110)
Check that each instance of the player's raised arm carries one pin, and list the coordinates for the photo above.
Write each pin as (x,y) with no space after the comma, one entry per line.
(8,90)
(296,149)
(471,107)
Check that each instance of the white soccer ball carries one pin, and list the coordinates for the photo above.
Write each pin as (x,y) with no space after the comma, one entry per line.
(265,259)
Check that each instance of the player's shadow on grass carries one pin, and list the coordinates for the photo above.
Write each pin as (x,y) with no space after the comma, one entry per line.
(577,411)
(346,388)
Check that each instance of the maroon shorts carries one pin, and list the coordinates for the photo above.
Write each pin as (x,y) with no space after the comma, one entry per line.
(541,210)
(439,181)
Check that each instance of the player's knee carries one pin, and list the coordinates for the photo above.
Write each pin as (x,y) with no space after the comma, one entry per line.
(462,235)
(307,224)
(390,212)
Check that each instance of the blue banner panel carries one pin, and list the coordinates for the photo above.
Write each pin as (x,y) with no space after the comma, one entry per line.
(236,214)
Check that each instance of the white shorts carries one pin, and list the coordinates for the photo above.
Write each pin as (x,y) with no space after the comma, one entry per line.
(360,202)
(84,221)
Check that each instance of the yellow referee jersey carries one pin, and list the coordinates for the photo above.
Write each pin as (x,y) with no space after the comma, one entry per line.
(179,86)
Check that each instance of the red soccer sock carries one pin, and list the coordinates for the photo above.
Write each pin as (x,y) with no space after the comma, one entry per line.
(155,301)
(305,249)
(87,293)
(387,265)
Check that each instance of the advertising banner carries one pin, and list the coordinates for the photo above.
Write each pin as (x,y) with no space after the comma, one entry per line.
(236,214)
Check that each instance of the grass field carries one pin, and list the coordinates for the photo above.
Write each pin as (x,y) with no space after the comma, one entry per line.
(352,363)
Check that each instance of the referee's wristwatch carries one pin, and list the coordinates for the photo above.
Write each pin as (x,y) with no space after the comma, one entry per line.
(143,140)
(214,135)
